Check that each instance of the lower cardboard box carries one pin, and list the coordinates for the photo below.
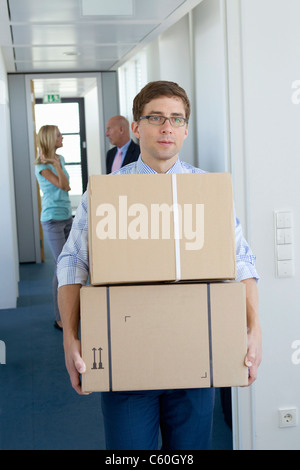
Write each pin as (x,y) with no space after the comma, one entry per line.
(166,336)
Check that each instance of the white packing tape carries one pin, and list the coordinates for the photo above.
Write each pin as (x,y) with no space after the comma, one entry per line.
(176,228)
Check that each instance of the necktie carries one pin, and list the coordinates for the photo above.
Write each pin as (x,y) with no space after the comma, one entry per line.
(117,161)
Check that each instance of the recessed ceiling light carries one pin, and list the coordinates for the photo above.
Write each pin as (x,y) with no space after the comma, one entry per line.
(72,53)
(107,8)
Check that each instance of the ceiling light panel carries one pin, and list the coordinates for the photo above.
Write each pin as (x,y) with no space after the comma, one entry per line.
(39,10)
(107,8)
(68,11)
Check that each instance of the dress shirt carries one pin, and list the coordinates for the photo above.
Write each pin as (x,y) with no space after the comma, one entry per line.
(117,163)
(72,265)
(123,151)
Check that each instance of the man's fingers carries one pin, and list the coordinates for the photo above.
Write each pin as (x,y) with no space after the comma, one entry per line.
(80,366)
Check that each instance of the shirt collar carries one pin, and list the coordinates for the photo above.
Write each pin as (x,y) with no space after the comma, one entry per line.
(124,148)
(143,168)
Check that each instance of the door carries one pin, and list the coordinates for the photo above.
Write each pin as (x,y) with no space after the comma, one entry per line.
(39,200)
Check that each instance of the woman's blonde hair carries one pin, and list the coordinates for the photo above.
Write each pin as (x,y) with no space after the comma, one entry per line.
(46,140)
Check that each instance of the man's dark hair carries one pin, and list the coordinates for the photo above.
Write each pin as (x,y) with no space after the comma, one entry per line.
(158,89)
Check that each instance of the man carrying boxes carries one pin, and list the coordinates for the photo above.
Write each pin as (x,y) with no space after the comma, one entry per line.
(163,335)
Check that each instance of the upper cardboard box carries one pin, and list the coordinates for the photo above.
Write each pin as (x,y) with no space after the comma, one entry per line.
(155,228)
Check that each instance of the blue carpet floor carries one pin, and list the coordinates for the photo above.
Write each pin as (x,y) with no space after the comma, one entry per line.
(38,408)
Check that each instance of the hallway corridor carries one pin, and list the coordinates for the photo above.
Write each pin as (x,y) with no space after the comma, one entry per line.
(38,408)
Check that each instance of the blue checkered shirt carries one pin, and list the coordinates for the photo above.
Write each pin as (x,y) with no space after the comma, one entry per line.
(73,262)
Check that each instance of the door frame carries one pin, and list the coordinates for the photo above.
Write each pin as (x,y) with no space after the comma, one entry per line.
(31,132)
(243,399)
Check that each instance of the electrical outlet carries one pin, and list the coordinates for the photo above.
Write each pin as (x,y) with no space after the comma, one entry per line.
(288,417)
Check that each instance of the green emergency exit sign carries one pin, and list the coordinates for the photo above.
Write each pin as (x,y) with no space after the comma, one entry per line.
(53,98)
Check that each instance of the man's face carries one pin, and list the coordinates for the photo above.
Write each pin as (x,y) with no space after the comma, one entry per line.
(113,131)
(160,145)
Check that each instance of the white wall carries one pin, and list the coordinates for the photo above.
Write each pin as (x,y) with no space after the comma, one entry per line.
(210,86)
(191,53)
(8,239)
(92,132)
(176,66)
(270,53)
(169,58)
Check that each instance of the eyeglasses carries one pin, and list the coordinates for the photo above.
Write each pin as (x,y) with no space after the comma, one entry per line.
(175,121)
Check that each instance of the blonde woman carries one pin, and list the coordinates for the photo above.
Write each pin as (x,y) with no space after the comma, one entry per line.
(56,214)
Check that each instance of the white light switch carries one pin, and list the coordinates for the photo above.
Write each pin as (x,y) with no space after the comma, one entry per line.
(284,236)
(284,220)
(284,244)
(288,217)
(280,236)
(288,235)
(284,252)
(285,268)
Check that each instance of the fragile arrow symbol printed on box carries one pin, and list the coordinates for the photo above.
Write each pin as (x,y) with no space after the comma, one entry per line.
(100,365)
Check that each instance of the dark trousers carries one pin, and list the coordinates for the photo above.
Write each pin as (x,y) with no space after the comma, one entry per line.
(132,419)
(56,232)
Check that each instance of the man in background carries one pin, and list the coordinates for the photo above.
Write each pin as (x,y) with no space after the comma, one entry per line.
(125,150)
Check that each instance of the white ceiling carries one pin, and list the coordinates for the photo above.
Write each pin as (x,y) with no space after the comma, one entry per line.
(38,36)
(66,87)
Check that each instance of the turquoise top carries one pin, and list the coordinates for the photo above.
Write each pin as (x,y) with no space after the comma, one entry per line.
(56,203)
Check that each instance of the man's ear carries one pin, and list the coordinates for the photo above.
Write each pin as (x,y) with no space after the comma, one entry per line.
(186,131)
(135,129)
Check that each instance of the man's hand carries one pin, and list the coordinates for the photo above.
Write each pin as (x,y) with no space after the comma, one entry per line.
(74,364)
(254,352)
(69,307)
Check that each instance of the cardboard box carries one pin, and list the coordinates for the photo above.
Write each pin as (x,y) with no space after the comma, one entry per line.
(156,228)
(148,337)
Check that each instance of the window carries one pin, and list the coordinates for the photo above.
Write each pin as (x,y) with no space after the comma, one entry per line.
(132,78)
(69,117)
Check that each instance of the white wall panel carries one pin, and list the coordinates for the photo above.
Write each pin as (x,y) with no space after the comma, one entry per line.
(9,274)
(272,140)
